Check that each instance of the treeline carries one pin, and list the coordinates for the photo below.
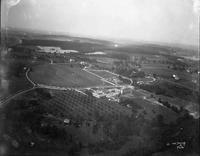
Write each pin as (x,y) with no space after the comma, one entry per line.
(174,108)
(128,69)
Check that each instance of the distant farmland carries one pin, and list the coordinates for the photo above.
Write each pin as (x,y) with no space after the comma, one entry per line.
(164,71)
(64,75)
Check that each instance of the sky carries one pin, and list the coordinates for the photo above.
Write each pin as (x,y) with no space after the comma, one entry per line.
(174,21)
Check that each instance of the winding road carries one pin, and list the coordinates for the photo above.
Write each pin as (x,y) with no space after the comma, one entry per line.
(86,69)
(3,102)
(90,71)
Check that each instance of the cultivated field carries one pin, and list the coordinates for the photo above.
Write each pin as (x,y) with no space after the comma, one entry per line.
(64,75)
(103,74)
(146,79)
(75,104)
(111,77)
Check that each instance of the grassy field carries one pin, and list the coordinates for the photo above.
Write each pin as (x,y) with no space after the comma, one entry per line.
(63,76)
(150,110)
(165,72)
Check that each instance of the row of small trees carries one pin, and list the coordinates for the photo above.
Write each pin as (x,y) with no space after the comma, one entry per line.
(172,107)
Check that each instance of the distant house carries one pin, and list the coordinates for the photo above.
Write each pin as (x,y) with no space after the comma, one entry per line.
(175,77)
(188,70)
(67,121)
(71,60)
(83,63)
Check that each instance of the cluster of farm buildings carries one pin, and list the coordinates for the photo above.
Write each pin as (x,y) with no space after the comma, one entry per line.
(55,50)
(112,94)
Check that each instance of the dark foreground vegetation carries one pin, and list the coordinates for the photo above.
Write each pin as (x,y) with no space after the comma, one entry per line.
(31,128)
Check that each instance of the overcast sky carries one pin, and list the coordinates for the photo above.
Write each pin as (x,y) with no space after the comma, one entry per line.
(147,20)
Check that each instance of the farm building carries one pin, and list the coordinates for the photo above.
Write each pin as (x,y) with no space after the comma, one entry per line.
(127,90)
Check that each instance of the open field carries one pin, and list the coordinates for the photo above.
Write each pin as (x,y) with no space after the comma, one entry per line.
(172,90)
(165,72)
(185,78)
(64,75)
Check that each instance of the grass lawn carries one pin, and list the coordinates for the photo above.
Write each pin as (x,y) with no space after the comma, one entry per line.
(64,76)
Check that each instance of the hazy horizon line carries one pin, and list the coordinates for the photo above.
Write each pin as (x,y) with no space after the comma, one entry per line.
(98,37)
